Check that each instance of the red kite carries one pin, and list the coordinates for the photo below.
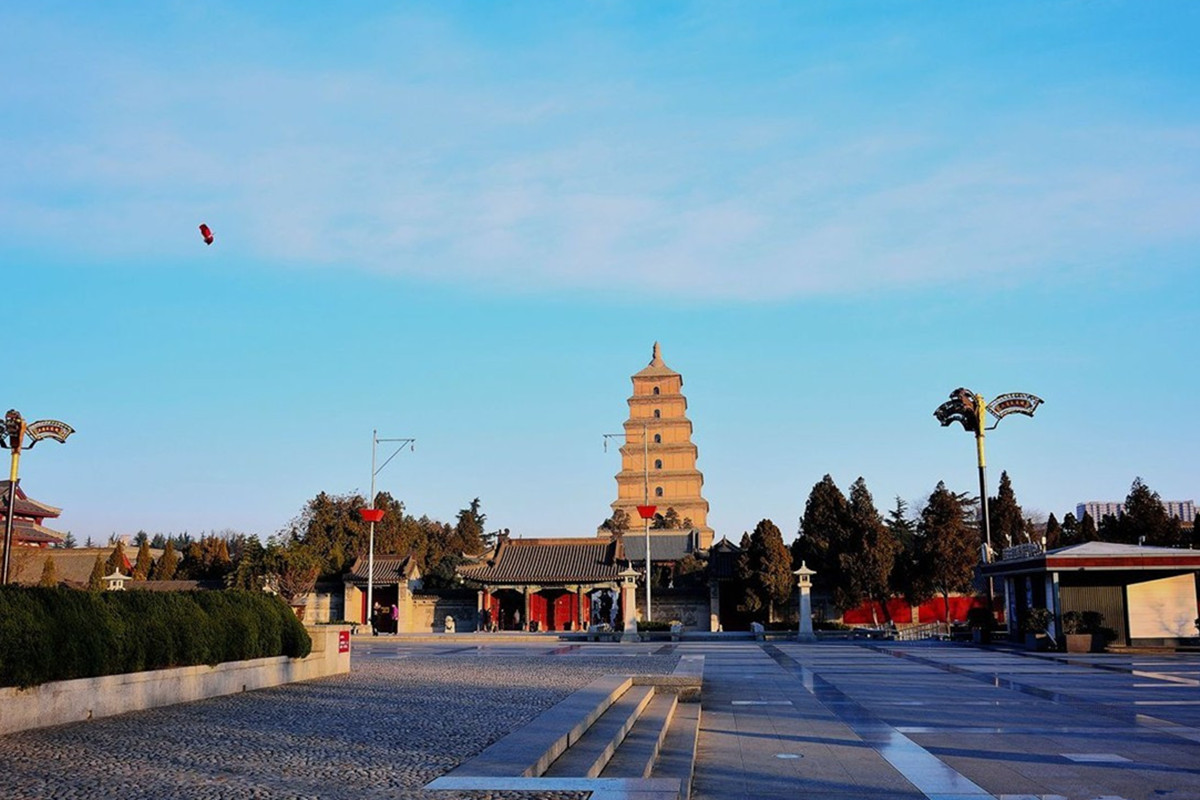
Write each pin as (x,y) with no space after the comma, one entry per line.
(207,233)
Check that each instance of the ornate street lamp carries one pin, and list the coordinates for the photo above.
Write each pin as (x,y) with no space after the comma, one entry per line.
(371,514)
(967,408)
(15,431)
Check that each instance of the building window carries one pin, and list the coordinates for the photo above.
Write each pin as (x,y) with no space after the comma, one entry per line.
(658,463)
(657,414)
(656,390)
(658,438)
(658,491)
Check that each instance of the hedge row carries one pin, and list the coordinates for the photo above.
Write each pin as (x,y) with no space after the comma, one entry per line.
(59,634)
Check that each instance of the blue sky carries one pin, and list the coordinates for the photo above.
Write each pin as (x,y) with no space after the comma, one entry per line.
(467,223)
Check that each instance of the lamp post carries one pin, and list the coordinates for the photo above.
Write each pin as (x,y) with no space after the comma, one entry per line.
(371,514)
(15,431)
(968,409)
(645,511)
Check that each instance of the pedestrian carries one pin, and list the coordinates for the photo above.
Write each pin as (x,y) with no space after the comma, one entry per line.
(517,619)
(485,619)
(395,619)
(376,618)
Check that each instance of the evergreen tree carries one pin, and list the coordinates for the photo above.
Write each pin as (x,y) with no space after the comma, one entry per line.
(904,530)
(1007,519)
(140,538)
(1146,519)
(1070,531)
(96,579)
(69,541)
(49,577)
(1110,529)
(252,568)
(1053,533)
(164,569)
(824,534)
(141,569)
(1087,529)
(618,523)
(771,564)
(88,544)
(667,521)
(116,559)
(947,545)
(871,555)
(468,530)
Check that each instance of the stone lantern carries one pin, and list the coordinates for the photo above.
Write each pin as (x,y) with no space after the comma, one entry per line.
(629,604)
(804,582)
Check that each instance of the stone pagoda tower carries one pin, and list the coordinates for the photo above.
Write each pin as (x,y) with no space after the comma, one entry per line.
(658,458)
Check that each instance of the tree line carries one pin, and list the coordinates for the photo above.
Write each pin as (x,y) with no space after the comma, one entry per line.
(860,556)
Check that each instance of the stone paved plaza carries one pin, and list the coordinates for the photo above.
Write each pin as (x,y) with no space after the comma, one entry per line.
(781,719)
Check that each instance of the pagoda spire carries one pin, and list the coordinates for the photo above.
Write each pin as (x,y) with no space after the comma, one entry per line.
(656,360)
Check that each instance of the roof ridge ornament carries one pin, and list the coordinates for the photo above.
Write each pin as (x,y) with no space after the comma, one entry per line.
(657,356)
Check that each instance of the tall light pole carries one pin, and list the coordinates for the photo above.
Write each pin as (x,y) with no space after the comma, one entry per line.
(645,511)
(969,410)
(15,431)
(372,514)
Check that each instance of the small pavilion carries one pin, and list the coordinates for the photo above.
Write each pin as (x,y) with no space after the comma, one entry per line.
(1147,595)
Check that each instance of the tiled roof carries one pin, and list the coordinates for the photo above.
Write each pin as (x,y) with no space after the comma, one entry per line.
(24,505)
(25,530)
(663,546)
(388,569)
(518,561)
(71,564)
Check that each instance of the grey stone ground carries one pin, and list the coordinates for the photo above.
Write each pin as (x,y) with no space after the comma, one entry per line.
(396,722)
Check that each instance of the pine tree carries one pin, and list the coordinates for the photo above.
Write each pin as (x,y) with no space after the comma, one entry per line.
(1146,519)
(468,530)
(904,530)
(1053,533)
(1007,519)
(49,573)
(1070,531)
(141,569)
(96,579)
(1087,529)
(947,545)
(824,534)
(164,569)
(116,559)
(871,554)
(69,541)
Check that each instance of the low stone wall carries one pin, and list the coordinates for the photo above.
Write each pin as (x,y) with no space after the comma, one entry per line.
(429,614)
(82,699)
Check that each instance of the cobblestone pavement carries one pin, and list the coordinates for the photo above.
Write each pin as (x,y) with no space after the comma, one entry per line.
(406,714)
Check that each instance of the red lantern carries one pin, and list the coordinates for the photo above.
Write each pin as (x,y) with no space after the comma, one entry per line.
(371,514)
(647,512)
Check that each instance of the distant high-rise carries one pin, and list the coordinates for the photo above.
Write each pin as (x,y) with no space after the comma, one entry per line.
(1177,509)
(658,459)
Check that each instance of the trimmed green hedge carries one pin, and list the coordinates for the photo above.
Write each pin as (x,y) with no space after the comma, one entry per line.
(59,634)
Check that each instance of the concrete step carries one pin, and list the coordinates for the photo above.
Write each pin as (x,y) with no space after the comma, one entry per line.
(637,754)
(677,756)
(587,757)
(527,753)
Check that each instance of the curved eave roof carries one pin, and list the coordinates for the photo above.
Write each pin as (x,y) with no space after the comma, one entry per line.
(542,561)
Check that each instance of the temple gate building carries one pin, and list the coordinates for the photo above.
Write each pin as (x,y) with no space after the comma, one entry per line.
(658,459)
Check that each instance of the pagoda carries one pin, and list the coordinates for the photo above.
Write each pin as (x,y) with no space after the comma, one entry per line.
(658,459)
(29,518)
